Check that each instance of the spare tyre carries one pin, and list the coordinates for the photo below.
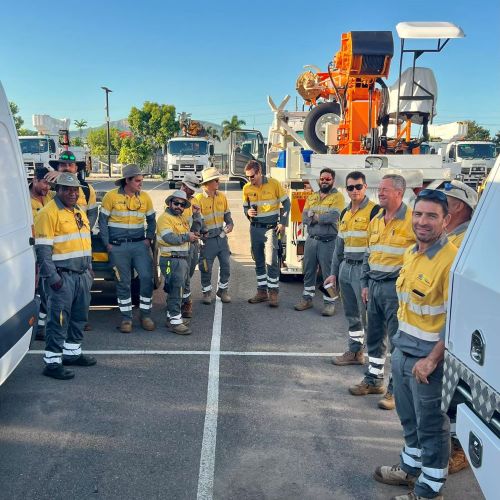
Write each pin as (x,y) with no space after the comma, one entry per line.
(315,122)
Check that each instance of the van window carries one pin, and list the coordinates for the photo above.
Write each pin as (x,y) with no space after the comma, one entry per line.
(12,201)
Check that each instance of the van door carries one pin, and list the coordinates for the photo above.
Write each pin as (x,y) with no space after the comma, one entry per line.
(17,258)
(245,145)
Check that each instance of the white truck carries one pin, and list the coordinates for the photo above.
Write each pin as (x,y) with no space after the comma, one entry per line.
(472,357)
(187,154)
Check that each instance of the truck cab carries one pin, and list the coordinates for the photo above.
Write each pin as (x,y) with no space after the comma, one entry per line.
(471,382)
(37,150)
(187,154)
(245,145)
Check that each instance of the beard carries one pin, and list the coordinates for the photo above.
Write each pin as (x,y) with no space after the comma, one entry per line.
(324,188)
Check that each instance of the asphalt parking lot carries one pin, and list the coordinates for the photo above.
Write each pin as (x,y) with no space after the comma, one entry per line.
(247,407)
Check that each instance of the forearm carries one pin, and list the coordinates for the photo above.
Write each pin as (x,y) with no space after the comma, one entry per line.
(103,228)
(365,269)
(47,267)
(285,211)
(150,226)
(437,353)
(92,216)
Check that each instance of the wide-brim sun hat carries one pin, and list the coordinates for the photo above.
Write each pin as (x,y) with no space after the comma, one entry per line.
(209,175)
(460,191)
(66,157)
(67,179)
(192,182)
(130,170)
(178,194)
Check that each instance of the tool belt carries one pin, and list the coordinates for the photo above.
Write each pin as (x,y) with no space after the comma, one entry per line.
(323,238)
(264,226)
(353,262)
(127,240)
(66,270)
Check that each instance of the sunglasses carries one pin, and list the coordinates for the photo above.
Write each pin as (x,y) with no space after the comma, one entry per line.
(179,204)
(432,194)
(357,187)
(322,179)
(448,186)
(79,220)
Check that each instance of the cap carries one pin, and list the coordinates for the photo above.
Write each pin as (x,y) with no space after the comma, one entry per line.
(67,179)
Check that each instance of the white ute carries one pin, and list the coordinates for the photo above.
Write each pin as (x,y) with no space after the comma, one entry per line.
(472,356)
(18,308)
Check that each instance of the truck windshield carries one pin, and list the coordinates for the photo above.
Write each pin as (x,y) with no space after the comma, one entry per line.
(187,147)
(476,151)
(34,146)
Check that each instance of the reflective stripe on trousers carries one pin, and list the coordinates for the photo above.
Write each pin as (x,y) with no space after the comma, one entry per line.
(264,246)
(316,253)
(175,272)
(216,247)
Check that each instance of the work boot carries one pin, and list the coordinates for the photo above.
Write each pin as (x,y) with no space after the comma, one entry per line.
(303,304)
(224,296)
(273,298)
(148,324)
(180,329)
(260,296)
(349,358)
(185,321)
(126,326)
(394,475)
(458,459)
(58,372)
(187,309)
(362,389)
(82,360)
(387,402)
(328,309)
(207,298)
(411,496)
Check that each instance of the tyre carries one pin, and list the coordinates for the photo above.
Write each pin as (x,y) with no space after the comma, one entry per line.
(315,122)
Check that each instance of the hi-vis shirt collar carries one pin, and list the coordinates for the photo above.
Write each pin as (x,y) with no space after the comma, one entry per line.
(62,206)
(121,190)
(400,214)
(206,195)
(461,228)
(434,248)
(362,204)
(332,191)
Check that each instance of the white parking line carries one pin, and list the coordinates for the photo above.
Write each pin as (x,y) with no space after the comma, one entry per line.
(131,352)
(207,459)
(156,187)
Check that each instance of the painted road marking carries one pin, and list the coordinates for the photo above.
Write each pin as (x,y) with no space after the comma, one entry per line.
(207,459)
(130,352)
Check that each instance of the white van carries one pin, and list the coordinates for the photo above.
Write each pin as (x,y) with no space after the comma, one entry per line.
(18,307)
(472,357)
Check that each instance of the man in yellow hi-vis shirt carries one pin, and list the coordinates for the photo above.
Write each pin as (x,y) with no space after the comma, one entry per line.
(63,249)
(262,197)
(389,235)
(127,226)
(417,360)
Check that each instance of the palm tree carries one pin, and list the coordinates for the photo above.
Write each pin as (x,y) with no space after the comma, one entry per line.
(79,124)
(213,133)
(230,126)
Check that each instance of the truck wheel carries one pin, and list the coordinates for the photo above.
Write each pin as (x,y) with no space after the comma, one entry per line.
(315,122)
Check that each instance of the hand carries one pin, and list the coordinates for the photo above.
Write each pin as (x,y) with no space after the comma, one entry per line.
(109,247)
(193,237)
(280,229)
(364,295)
(422,369)
(147,242)
(52,176)
(331,279)
(57,285)
(228,228)
(196,208)
(252,212)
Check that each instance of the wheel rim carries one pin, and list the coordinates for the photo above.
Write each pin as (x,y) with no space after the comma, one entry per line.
(322,122)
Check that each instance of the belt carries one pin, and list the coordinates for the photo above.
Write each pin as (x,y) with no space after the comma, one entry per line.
(265,226)
(184,257)
(126,240)
(353,262)
(65,270)
(385,279)
(324,240)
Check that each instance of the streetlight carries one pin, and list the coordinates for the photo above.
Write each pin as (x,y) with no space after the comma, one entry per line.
(107,123)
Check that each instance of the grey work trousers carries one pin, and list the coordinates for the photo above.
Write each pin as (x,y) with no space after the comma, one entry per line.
(426,427)
(175,272)
(42,312)
(125,257)
(67,313)
(215,247)
(194,255)
(349,279)
(382,313)
(317,253)
(264,246)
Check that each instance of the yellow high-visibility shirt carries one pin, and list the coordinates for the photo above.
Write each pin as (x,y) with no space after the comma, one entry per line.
(457,235)
(37,205)
(267,197)
(174,228)
(422,288)
(57,226)
(215,211)
(388,243)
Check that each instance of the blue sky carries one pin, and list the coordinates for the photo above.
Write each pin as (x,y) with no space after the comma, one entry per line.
(216,59)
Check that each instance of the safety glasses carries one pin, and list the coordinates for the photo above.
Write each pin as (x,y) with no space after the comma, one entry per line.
(352,187)
(448,186)
(432,194)
(79,220)
(179,204)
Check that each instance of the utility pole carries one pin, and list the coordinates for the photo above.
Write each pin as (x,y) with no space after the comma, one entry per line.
(107,125)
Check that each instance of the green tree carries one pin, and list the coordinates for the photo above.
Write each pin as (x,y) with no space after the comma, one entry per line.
(77,141)
(98,144)
(213,133)
(476,133)
(14,109)
(496,139)
(135,150)
(154,124)
(25,131)
(229,126)
(80,124)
